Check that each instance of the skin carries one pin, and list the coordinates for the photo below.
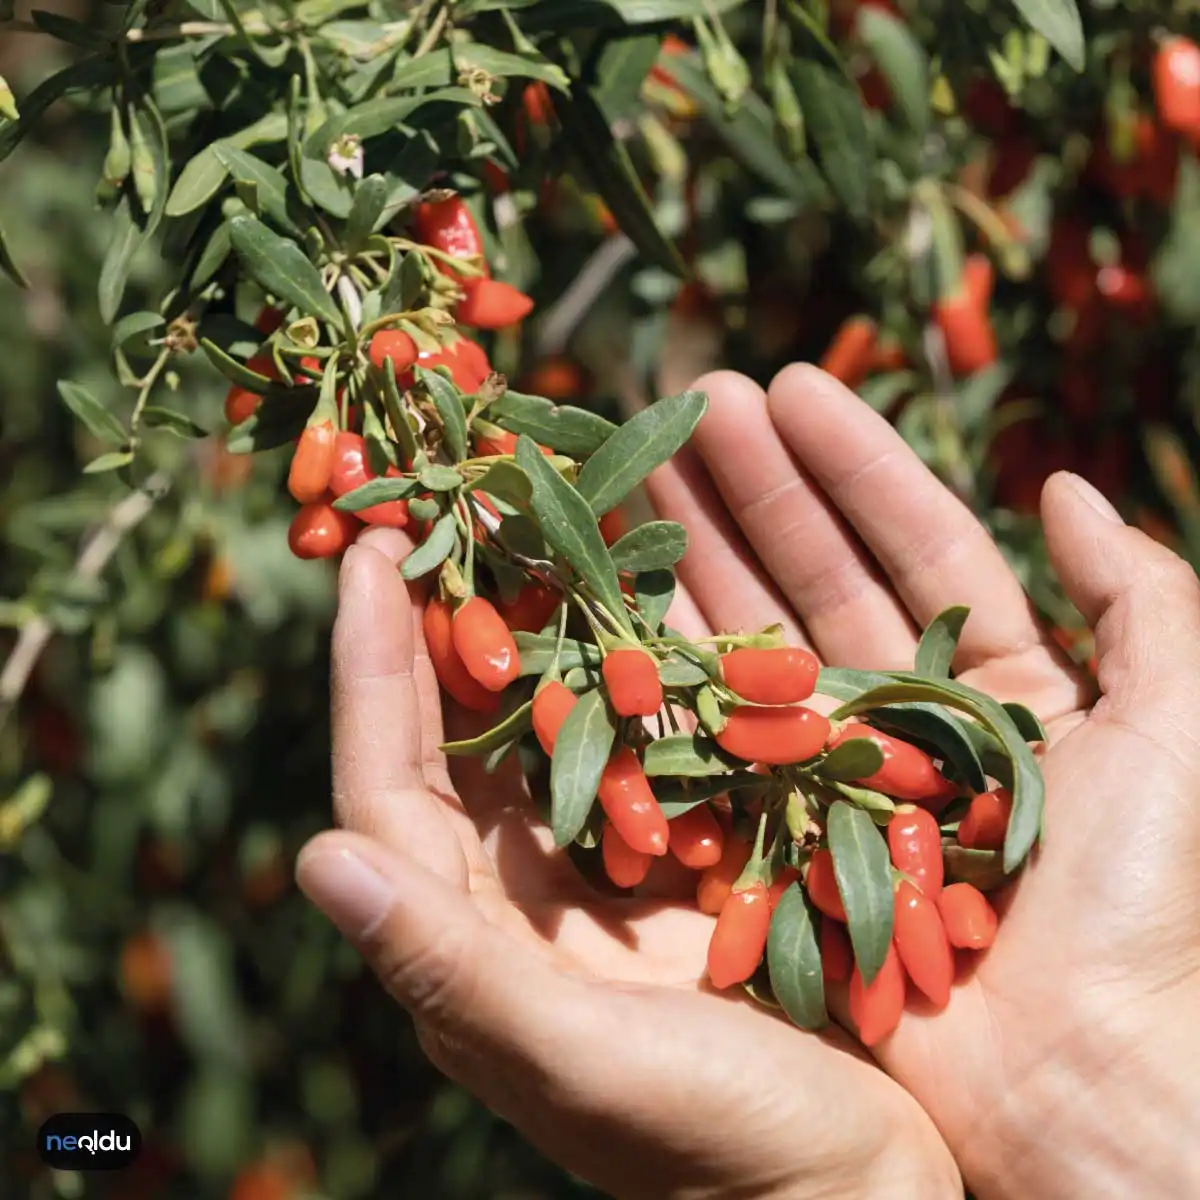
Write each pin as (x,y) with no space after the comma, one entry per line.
(1065,1064)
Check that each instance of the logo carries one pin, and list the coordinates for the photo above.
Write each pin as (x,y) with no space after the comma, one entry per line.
(89,1142)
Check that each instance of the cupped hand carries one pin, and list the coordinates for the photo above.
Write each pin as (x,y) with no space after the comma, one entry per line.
(1068,1063)
(581,1019)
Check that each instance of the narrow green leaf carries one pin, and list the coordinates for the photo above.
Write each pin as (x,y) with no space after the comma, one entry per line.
(114,271)
(864,879)
(504,65)
(154,417)
(675,797)
(678,671)
(1029,726)
(1059,22)
(902,60)
(621,69)
(95,71)
(99,421)
(853,759)
(370,199)
(650,547)
(505,481)
(279,419)
(536,652)
(8,264)
(434,550)
(573,431)
(653,592)
(935,652)
(794,960)
(234,371)
(381,116)
(580,755)
(113,461)
(128,327)
(271,184)
(568,524)
(513,726)
(281,268)
(688,755)
(448,403)
(643,443)
(377,491)
(202,177)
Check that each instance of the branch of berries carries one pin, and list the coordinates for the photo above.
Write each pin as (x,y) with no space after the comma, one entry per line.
(822,842)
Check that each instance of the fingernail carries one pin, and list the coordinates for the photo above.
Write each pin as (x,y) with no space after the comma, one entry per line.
(347,889)
(1095,499)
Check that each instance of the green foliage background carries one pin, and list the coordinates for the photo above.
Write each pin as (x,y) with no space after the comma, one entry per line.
(170,753)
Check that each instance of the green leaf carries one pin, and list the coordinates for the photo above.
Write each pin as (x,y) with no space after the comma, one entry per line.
(1059,22)
(650,547)
(573,431)
(654,591)
(370,199)
(568,524)
(438,478)
(902,60)
(678,671)
(557,14)
(114,272)
(380,116)
(513,726)
(202,177)
(794,960)
(74,33)
(621,69)
(279,419)
(1028,724)
(234,371)
(687,754)
(1027,786)
(853,759)
(536,652)
(154,417)
(580,755)
(8,264)
(864,879)
(99,421)
(128,327)
(505,481)
(978,393)
(271,184)
(982,868)
(935,652)
(504,65)
(446,400)
(606,162)
(151,163)
(643,443)
(675,797)
(377,491)
(834,116)
(434,550)
(281,268)
(93,72)
(112,461)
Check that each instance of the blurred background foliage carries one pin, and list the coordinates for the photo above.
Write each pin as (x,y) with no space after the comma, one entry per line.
(169,754)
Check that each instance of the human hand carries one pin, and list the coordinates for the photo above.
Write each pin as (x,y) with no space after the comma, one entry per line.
(580,1019)
(1067,1064)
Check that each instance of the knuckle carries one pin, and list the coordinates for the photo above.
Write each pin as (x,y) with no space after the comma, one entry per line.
(433,981)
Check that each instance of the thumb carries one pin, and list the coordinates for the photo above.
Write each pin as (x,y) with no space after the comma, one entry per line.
(1142,600)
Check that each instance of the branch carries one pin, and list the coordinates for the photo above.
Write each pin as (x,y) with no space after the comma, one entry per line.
(95,555)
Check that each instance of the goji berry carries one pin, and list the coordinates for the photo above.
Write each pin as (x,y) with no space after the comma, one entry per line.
(630,805)
(631,677)
(556,378)
(535,99)
(780,675)
(551,706)
(146,972)
(966,326)
(492,304)
(262,1181)
(837,955)
(241,403)
(696,839)
(848,356)
(269,320)
(396,345)
(312,463)
(921,942)
(969,919)
(889,355)
(876,1008)
(497,444)
(613,526)
(820,882)
(717,882)
(774,736)
(472,361)
(740,937)
(485,644)
(449,226)
(625,866)
(452,673)
(907,773)
(534,605)
(986,822)
(1177,85)
(1010,168)
(783,881)
(318,530)
(916,845)
(351,471)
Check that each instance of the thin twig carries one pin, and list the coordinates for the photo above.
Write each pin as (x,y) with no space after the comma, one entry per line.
(95,555)
(560,321)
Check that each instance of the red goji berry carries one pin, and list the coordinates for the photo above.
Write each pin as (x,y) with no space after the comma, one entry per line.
(312,463)
(696,839)
(535,99)
(921,941)
(783,881)
(471,362)
(631,677)
(876,1008)
(452,673)
(318,530)
(613,526)
(780,675)
(448,225)
(551,706)
(848,357)
(774,736)
(717,882)
(740,937)
(625,866)
(986,822)
(269,320)
(557,378)
(241,403)
(969,919)
(630,805)
(396,345)
(889,355)
(837,955)
(1177,85)
(492,304)
(967,329)
(820,881)
(485,644)
(916,845)
(534,605)
(907,773)
(351,471)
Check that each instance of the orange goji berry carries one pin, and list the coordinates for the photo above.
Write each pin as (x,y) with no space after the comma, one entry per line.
(625,866)
(630,805)
(631,677)
(318,530)
(780,675)
(837,955)
(396,345)
(986,822)
(1177,85)
(492,304)
(820,881)
(452,673)
(783,881)
(740,937)
(876,1008)
(848,357)
(448,225)
(312,463)
(534,605)
(969,919)
(774,736)
(485,644)
(146,972)
(907,773)
(916,845)
(717,882)
(551,705)
(921,942)
(696,839)
(350,471)
(613,526)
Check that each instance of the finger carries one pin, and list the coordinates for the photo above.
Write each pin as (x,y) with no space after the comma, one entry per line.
(933,550)
(848,609)
(378,782)
(1142,600)
(726,581)
(685,616)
